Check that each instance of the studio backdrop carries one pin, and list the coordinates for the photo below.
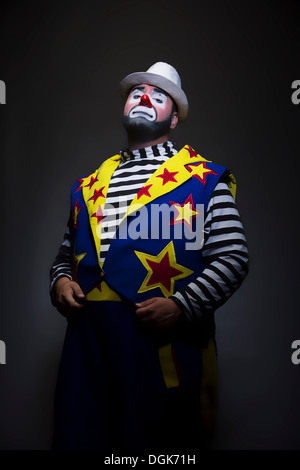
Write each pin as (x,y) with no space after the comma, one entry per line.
(60,68)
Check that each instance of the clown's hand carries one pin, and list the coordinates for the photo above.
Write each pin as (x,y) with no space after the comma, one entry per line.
(68,295)
(159,313)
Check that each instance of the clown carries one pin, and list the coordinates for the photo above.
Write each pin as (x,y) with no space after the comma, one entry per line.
(148,114)
(138,369)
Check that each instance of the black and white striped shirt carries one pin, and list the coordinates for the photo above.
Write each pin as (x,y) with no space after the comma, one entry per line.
(225,251)
(225,255)
(125,183)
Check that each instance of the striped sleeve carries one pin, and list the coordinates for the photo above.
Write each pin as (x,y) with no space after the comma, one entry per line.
(62,265)
(225,255)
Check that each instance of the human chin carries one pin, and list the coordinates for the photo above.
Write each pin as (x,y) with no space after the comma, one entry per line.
(141,129)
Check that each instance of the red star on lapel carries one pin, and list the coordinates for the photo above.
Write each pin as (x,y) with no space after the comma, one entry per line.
(97,193)
(98,214)
(92,182)
(192,152)
(144,191)
(168,176)
(80,180)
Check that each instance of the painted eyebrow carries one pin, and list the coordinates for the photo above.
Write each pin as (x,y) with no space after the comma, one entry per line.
(158,90)
(142,88)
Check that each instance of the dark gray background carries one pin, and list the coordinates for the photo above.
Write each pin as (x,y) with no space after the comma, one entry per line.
(62,63)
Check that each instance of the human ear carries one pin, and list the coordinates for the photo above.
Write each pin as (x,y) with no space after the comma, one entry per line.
(174,120)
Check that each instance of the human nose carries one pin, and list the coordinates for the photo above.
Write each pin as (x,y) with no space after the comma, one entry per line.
(145,101)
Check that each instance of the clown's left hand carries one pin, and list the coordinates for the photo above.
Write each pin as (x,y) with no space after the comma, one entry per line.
(160,313)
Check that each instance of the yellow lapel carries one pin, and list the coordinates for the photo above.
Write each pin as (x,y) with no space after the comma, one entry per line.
(167,177)
(94,193)
(232,185)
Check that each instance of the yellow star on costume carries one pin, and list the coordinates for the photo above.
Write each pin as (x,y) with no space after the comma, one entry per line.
(199,170)
(77,259)
(76,211)
(162,270)
(185,213)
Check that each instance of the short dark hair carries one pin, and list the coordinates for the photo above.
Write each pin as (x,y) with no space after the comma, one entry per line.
(174,107)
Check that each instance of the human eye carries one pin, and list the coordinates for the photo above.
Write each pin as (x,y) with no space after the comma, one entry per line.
(159,98)
(136,94)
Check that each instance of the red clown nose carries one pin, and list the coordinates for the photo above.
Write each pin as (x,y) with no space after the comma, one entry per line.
(145,101)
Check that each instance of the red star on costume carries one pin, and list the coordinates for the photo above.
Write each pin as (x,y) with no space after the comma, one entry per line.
(144,191)
(92,182)
(168,176)
(99,215)
(186,213)
(76,211)
(97,193)
(192,152)
(200,171)
(80,180)
(162,270)
(99,287)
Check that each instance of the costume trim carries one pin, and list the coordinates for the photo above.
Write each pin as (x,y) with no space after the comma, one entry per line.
(94,195)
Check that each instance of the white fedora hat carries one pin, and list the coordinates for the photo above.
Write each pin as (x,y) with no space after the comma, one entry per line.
(163,76)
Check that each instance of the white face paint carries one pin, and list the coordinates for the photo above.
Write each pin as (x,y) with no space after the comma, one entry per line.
(157,98)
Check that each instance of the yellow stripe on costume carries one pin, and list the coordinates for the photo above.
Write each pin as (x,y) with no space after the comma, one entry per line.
(168,366)
(209,388)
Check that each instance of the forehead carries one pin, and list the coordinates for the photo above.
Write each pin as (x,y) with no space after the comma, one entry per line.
(148,89)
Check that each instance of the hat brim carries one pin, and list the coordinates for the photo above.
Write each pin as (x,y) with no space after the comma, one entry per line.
(166,85)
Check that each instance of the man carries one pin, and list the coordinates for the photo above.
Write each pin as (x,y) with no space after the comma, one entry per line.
(154,245)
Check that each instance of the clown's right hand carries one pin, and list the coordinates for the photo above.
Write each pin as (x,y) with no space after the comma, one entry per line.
(68,296)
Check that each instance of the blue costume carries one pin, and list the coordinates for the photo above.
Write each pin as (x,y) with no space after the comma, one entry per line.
(121,386)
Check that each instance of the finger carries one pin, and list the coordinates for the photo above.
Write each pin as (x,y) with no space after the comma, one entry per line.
(77,290)
(70,302)
(142,312)
(145,303)
(146,314)
(145,318)
(145,308)
(75,305)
